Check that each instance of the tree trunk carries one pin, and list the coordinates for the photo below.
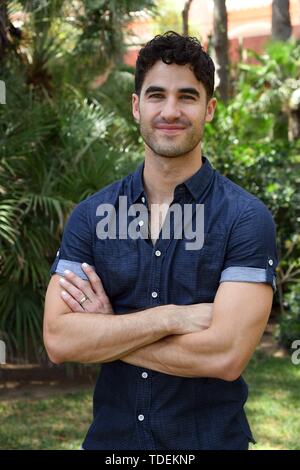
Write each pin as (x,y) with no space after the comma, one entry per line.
(185,17)
(294,116)
(3,29)
(220,43)
(9,34)
(281,20)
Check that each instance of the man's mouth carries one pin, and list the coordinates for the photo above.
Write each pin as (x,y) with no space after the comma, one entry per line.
(170,129)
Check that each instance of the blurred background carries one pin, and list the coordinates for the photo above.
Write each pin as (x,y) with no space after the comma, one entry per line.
(66,130)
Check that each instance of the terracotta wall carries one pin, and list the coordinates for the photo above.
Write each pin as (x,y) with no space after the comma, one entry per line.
(250,27)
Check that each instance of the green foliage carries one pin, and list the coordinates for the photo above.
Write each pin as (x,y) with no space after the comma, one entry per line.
(289,324)
(169,17)
(249,142)
(32,424)
(65,154)
(273,404)
(39,186)
(60,141)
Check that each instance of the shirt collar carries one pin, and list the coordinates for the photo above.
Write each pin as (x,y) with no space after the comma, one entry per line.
(196,184)
(200,180)
(137,183)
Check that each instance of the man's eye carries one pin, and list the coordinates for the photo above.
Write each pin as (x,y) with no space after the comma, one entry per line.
(159,96)
(156,95)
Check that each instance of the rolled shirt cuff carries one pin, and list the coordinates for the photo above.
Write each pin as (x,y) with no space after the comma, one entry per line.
(73,266)
(245,274)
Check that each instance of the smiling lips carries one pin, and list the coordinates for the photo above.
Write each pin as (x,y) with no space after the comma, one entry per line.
(171,129)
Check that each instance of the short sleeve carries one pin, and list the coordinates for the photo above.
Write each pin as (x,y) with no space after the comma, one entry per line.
(251,252)
(76,244)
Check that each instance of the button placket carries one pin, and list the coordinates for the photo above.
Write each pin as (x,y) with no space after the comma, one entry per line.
(154,285)
(143,407)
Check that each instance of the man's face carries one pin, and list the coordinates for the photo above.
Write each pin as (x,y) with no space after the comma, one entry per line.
(172,109)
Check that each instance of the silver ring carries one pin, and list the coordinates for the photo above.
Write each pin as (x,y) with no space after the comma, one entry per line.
(84,298)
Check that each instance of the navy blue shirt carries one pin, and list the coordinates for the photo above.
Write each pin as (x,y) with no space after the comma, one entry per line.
(137,408)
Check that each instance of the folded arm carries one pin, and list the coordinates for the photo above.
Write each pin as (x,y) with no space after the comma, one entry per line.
(240,314)
(210,340)
(97,335)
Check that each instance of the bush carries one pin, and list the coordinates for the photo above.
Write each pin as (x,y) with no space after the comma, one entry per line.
(60,141)
(289,323)
(249,142)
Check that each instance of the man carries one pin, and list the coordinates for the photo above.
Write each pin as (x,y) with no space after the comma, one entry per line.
(173,326)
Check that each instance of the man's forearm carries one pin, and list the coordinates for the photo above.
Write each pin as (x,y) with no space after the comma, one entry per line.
(101,338)
(200,354)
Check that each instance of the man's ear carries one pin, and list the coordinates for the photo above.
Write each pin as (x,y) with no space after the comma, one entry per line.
(210,109)
(135,107)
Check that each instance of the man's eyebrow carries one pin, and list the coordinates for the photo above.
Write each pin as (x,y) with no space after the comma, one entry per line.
(153,89)
(190,91)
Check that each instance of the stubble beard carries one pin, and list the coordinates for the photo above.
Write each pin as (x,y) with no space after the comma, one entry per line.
(166,146)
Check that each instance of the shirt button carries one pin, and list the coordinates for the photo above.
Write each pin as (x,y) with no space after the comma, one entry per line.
(144,375)
(141,417)
(143,199)
(154,294)
(157,253)
(270,262)
(141,223)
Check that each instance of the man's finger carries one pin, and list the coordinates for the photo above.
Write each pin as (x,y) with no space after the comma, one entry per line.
(84,286)
(77,294)
(71,289)
(71,302)
(94,279)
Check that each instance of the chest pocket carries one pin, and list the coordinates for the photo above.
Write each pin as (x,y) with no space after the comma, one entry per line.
(117,264)
(198,272)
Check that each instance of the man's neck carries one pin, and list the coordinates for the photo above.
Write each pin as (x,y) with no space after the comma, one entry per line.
(162,174)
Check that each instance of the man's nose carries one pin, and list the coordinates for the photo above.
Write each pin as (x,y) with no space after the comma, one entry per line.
(170,110)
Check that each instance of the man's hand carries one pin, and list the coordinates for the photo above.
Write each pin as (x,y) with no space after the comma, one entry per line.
(186,318)
(75,289)
(87,331)
(192,318)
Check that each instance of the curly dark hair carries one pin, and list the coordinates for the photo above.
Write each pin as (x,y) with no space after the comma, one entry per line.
(172,47)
